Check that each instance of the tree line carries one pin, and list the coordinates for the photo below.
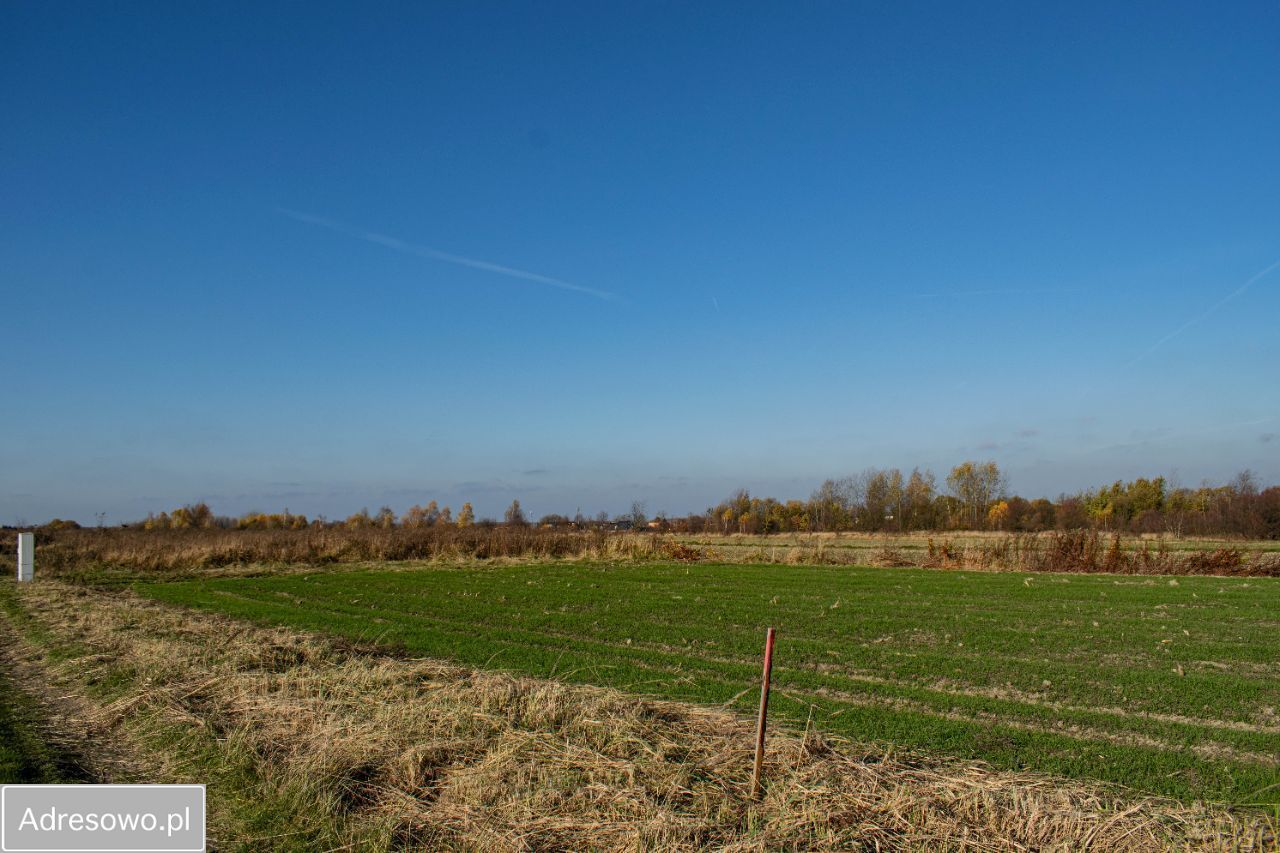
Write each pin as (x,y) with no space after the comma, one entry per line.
(973,496)
(976,497)
(431,514)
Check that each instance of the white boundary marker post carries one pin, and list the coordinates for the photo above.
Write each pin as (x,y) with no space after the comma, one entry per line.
(26,557)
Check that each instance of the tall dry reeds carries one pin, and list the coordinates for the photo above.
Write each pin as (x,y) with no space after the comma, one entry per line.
(62,552)
(67,553)
(1089,551)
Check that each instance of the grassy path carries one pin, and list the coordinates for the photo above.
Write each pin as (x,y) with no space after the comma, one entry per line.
(26,753)
(24,757)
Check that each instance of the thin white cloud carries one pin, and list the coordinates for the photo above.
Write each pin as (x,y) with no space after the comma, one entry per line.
(1212,308)
(1000,291)
(437,255)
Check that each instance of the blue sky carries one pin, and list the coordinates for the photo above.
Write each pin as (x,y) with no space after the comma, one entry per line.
(331,256)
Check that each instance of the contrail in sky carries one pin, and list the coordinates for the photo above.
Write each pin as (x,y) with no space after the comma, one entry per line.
(437,255)
(1005,291)
(1214,307)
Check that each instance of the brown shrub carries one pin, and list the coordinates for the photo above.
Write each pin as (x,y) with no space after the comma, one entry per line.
(1224,561)
(943,555)
(682,553)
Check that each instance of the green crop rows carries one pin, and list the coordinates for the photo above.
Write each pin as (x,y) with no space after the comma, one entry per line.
(1167,686)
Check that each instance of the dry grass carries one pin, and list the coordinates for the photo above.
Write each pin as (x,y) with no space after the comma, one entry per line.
(402,753)
(1090,551)
(1080,551)
(71,553)
(98,553)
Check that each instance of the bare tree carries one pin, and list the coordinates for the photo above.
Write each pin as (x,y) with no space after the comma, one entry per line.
(514,515)
(976,485)
(919,499)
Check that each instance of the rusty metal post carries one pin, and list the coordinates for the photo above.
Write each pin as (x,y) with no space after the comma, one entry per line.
(764,713)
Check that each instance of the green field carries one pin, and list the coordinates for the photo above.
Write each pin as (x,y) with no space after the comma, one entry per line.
(1167,686)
